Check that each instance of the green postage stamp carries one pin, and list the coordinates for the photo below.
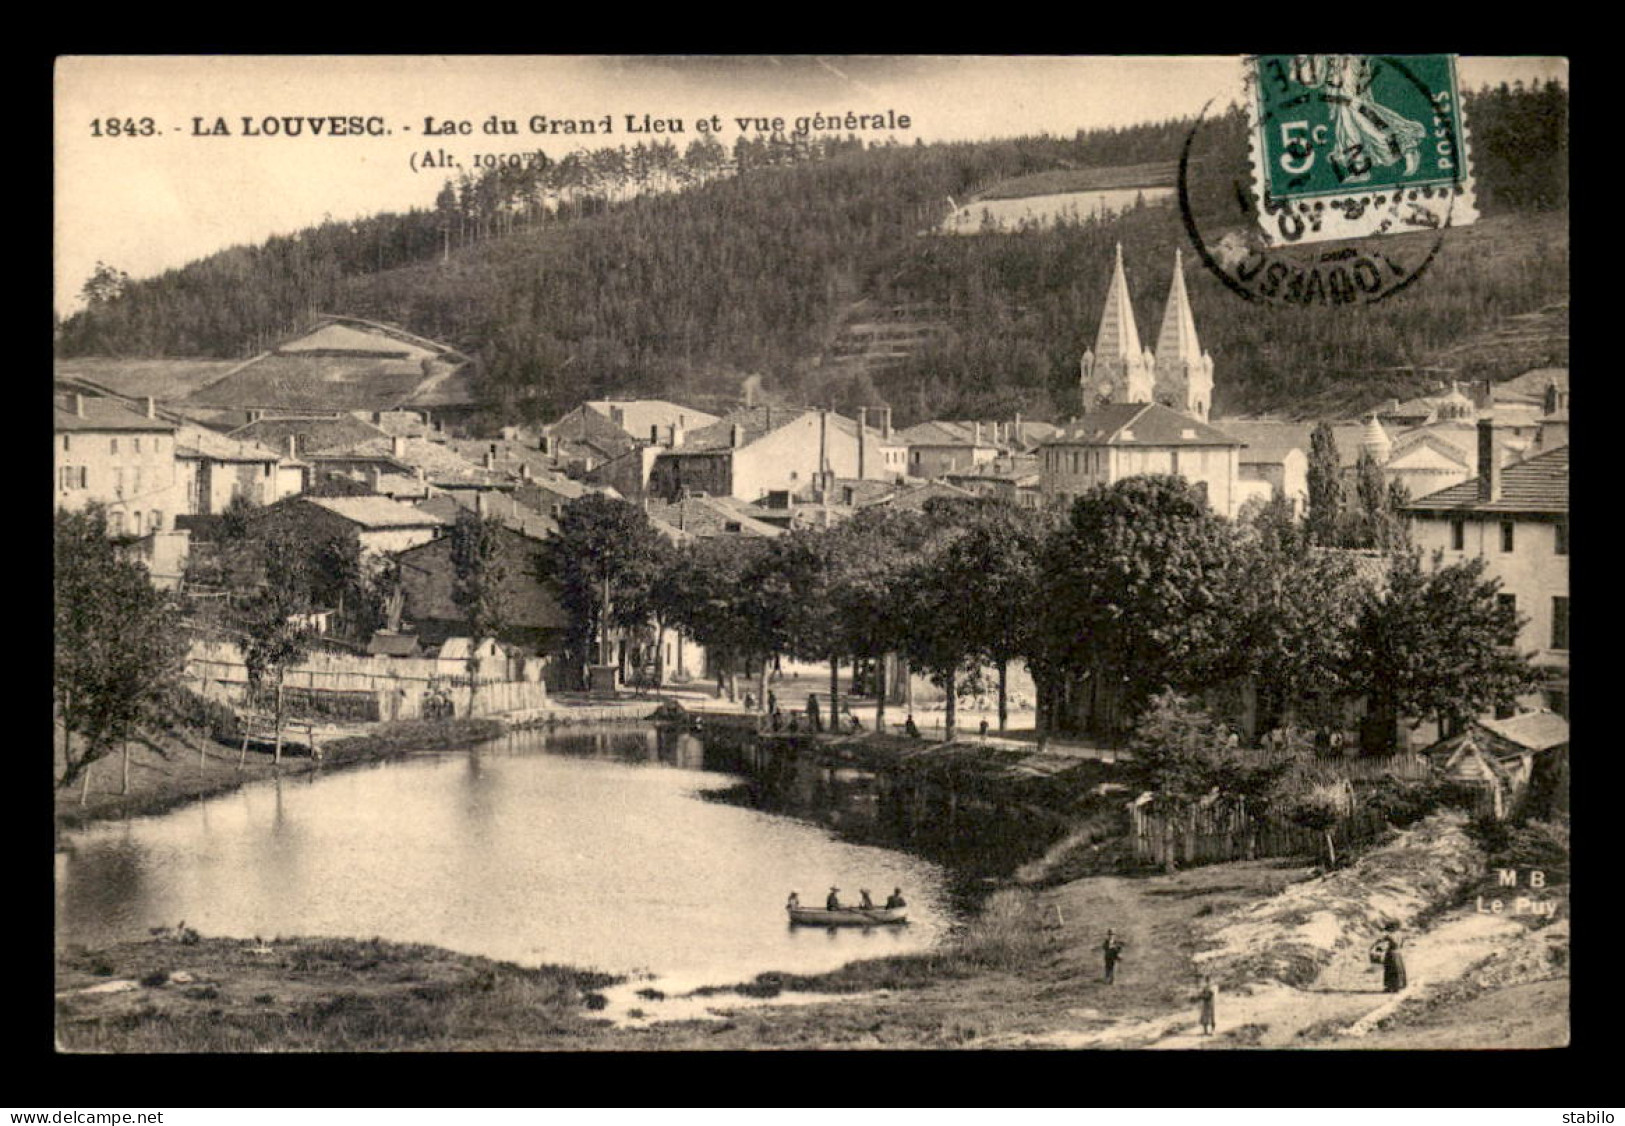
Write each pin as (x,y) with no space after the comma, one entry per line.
(1345,146)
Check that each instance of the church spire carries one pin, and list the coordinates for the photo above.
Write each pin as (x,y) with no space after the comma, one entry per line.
(1184,373)
(1118,335)
(1118,370)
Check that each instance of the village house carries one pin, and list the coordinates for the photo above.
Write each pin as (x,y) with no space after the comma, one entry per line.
(1012,478)
(533,618)
(110,454)
(377,524)
(757,450)
(219,470)
(1506,758)
(936,449)
(1516,518)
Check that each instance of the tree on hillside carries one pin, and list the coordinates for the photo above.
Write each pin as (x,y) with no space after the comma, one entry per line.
(117,653)
(1434,643)
(1325,516)
(104,285)
(604,558)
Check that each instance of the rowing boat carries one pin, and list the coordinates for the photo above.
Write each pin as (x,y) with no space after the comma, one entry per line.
(846,917)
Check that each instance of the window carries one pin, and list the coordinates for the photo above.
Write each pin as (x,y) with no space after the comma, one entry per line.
(1507,602)
(1458,535)
(65,439)
(1561,530)
(84,475)
(1506,535)
(1560,622)
(1173,462)
(137,446)
(157,520)
(113,444)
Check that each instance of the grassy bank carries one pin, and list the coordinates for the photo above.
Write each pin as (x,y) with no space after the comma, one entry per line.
(184,765)
(328,995)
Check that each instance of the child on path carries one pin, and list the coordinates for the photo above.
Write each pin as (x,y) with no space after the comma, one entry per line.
(1207,997)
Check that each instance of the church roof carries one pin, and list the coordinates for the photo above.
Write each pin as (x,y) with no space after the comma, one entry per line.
(1177,340)
(1118,335)
(1141,424)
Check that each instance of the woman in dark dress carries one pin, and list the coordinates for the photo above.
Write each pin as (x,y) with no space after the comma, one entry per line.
(1393,962)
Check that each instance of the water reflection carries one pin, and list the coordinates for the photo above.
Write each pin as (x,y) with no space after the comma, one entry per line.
(590,848)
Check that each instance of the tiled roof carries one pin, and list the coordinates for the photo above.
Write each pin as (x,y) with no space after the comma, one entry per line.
(103,414)
(1141,424)
(199,441)
(1537,730)
(637,415)
(316,434)
(436,461)
(753,421)
(506,510)
(585,425)
(1538,485)
(706,517)
(939,433)
(1532,384)
(377,512)
(1269,441)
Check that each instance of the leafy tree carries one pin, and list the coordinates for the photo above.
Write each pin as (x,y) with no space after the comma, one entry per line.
(480,572)
(117,653)
(938,637)
(1434,642)
(704,591)
(604,558)
(799,581)
(1135,594)
(104,285)
(1325,516)
(276,633)
(997,560)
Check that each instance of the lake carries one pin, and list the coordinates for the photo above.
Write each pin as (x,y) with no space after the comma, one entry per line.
(590,849)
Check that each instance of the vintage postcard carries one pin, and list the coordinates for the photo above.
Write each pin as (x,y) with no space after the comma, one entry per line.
(811,552)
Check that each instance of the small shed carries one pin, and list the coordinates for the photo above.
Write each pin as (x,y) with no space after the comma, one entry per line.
(1502,756)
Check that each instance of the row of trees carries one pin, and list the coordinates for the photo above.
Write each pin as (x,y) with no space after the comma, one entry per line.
(1139,590)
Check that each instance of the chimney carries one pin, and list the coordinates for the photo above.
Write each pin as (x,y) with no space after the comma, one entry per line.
(524,471)
(490,459)
(654,434)
(1489,462)
(736,436)
(417,471)
(768,407)
(545,443)
(1016,436)
(885,421)
(978,433)
(152,407)
(78,404)
(863,441)
(397,446)
(293,446)
(372,477)
(823,448)
(479,503)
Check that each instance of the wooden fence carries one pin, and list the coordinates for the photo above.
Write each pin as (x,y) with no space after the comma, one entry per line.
(331,686)
(1220,832)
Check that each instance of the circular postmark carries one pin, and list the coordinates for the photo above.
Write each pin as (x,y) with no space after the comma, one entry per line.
(1349,199)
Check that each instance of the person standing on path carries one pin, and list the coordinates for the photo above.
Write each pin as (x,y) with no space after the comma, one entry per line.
(1111,950)
(1386,950)
(1208,997)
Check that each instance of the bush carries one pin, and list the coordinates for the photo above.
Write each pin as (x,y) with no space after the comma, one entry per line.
(1538,844)
(189,709)
(1403,803)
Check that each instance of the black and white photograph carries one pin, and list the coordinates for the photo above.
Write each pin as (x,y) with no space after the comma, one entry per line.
(761,553)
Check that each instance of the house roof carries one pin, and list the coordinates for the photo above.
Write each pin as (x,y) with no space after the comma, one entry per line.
(316,433)
(377,512)
(1537,485)
(511,514)
(754,422)
(587,426)
(939,433)
(1531,385)
(102,414)
(436,461)
(1538,730)
(344,363)
(706,517)
(193,441)
(1141,424)
(1270,440)
(637,415)
(386,644)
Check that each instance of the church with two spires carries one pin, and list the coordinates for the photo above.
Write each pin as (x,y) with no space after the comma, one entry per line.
(1145,411)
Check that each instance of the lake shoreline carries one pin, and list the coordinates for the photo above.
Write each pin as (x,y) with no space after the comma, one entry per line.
(177,771)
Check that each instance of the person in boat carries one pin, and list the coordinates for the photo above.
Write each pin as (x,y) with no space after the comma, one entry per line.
(750,701)
(775,719)
(795,723)
(794,902)
(984,727)
(895,899)
(832,902)
(910,728)
(1111,950)
(865,902)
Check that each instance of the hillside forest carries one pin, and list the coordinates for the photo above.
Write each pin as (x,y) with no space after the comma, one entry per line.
(649,271)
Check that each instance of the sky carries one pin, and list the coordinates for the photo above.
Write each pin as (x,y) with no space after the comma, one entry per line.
(147,203)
